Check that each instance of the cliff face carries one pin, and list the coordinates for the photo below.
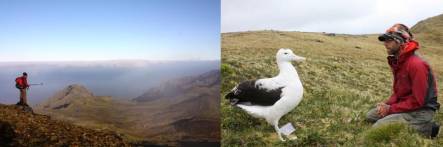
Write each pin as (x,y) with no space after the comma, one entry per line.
(20,128)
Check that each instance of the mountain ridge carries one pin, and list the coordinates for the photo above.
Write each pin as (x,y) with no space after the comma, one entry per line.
(151,121)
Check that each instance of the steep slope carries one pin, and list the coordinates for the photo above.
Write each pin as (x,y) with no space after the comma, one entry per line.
(19,128)
(193,112)
(430,30)
(177,87)
(344,76)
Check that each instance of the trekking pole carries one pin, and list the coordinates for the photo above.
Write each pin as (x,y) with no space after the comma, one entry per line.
(36,84)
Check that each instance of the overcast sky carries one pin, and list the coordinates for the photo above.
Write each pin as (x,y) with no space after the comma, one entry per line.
(335,16)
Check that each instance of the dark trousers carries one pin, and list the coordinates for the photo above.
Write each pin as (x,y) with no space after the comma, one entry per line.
(23,98)
(420,120)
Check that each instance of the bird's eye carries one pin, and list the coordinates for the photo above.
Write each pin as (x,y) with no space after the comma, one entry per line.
(286,53)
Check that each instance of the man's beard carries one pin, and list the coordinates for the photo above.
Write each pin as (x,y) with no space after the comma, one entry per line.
(394,53)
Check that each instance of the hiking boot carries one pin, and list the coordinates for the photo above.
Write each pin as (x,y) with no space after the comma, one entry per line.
(27,109)
(435,129)
(19,104)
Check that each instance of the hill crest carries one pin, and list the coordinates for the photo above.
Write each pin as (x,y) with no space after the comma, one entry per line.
(19,128)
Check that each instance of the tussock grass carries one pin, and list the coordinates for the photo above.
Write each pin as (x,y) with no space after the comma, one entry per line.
(395,133)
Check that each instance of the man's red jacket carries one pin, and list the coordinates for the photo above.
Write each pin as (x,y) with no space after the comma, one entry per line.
(414,84)
(22,81)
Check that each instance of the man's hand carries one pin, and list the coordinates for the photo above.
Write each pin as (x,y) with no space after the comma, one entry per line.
(383,109)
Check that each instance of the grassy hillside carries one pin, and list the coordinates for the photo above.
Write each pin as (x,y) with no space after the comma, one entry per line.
(430,31)
(344,76)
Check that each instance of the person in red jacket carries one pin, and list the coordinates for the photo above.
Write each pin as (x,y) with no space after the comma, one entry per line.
(21,83)
(414,96)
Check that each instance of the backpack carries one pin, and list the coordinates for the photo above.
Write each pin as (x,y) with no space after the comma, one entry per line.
(19,83)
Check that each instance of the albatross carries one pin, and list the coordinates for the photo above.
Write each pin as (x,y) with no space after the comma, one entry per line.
(271,98)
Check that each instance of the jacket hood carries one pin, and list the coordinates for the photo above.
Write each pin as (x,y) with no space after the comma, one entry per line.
(407,49)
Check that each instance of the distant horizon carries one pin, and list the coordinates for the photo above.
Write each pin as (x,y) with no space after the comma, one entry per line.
(304,31)
(121,80)
(299,31)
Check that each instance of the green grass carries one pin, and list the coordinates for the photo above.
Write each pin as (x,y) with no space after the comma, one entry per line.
(399,134)
(344,76)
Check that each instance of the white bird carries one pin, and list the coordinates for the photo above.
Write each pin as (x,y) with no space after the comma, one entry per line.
(271,98)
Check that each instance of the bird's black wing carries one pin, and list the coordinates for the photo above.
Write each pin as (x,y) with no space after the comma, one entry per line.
(248,92)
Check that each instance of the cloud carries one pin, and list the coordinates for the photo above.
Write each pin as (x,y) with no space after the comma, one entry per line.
(338,16)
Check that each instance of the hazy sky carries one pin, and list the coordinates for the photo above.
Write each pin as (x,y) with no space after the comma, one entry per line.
(337,16)
(54,30)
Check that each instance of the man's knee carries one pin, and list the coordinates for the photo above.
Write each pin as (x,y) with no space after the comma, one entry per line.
(372,115)
(393,118)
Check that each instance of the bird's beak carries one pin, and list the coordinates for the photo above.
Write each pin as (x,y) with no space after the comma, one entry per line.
(298,58)
(229,95)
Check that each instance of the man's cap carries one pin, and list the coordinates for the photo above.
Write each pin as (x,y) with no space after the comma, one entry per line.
(398,32)
(391,36)
(386,36)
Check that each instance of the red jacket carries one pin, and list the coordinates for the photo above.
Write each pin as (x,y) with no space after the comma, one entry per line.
(414,84)
(22,81)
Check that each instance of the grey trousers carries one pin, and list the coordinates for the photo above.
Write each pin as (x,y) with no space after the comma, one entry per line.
(421,119)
